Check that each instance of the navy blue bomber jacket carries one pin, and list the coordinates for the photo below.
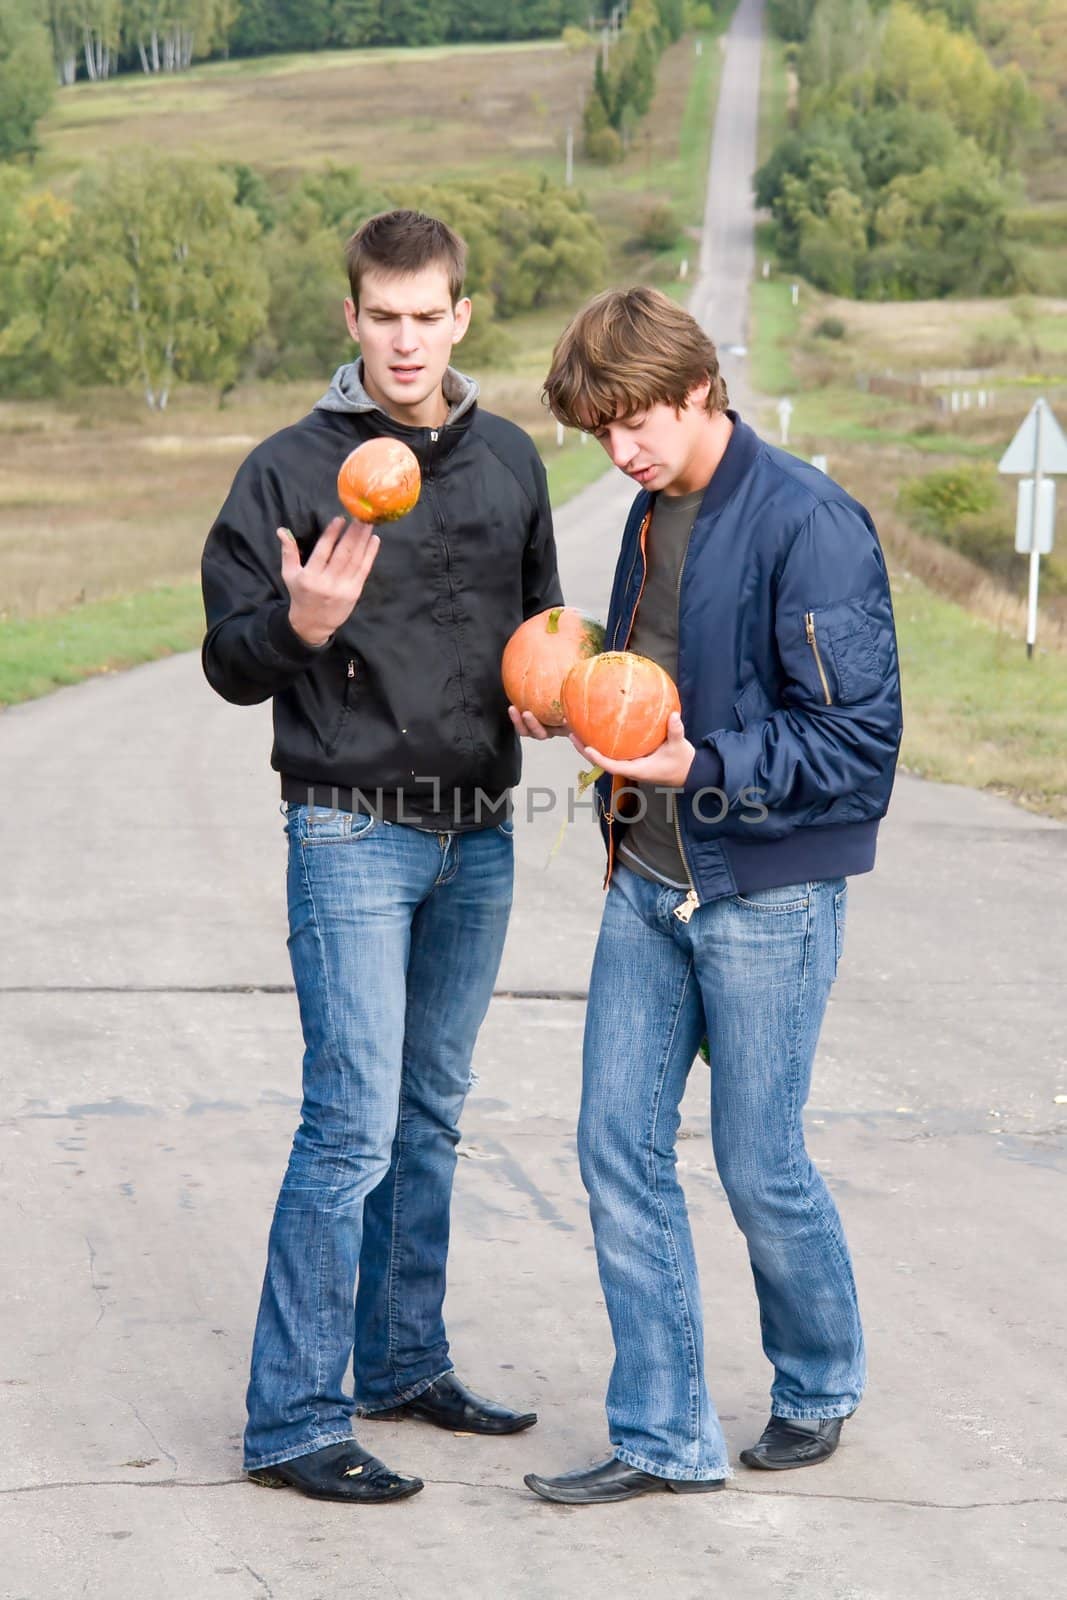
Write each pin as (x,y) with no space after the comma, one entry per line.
(787,671)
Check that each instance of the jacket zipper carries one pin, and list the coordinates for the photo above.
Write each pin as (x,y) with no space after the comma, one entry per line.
(450,580)
(685,910)
(609,815)
(346,706)
(809,629)
(620,783)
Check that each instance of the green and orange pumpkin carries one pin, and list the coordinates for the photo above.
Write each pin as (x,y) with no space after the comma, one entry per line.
(539,655)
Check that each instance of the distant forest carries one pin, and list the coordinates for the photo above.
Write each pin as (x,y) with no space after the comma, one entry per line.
(97,38)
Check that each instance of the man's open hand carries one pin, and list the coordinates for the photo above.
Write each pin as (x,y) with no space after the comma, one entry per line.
(669,765)
(323,594)
(528,727)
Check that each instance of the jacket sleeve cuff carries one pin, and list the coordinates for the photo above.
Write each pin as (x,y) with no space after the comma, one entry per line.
(707,771)
(287,643)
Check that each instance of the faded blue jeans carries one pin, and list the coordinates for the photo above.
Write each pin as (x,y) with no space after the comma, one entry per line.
(395,937)
(752,973)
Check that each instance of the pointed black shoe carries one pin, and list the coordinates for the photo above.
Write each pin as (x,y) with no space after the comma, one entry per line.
(788,1442)
(343,1471)
(612,1480)
(447,1403)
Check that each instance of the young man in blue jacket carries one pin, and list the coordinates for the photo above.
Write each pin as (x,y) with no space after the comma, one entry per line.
(759,585)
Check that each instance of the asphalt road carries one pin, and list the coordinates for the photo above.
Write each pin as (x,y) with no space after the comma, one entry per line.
(150,1059)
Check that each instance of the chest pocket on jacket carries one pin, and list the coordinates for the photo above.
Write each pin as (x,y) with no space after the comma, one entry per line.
(831,650)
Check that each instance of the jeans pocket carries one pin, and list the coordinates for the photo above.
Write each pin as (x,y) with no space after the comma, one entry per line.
(840,917)
(788,897)
(321,825)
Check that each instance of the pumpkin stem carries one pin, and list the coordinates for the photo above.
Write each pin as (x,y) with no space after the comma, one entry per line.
(552,625)
(584,781)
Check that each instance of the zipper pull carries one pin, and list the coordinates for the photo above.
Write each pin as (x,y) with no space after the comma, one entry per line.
(350,671)
(809,626)
(433,435)
(684,912)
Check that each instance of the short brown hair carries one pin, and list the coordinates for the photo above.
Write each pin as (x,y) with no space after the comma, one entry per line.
(405,242)
(629,349)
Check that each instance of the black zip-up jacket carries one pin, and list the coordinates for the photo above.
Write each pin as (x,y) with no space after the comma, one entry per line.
(402,711)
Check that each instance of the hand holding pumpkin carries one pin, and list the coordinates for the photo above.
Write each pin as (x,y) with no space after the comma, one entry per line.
(324,592)
(527,726)
(668,765)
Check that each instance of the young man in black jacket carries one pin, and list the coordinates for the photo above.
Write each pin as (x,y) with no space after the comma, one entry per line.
(395,754)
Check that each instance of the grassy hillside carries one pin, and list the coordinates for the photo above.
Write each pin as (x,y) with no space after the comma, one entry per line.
(395,113)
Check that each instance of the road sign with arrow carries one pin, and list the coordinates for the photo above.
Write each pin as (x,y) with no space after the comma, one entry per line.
(1036,455)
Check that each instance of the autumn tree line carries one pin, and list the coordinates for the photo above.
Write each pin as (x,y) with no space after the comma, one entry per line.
(901,176)
(162,270)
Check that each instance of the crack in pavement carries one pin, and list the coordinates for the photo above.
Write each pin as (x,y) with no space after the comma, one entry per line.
(160,1447)
(515,1489)
(98,1289)
(231,1554)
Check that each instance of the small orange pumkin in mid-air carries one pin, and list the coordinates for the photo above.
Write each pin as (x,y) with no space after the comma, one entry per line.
(619,703)
(539,655)
(379,481)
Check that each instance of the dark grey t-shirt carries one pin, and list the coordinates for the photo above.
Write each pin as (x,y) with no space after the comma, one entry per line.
(649,845)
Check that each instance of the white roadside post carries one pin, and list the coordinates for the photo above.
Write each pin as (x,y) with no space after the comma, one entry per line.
(1036,455)
(785,411)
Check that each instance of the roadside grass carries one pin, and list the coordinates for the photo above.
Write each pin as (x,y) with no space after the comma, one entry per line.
(39,654)
(976,711)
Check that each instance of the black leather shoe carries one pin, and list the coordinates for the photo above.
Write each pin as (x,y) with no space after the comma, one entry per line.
(341,1471)
(449,1404)
(612,1480)
(794,1442)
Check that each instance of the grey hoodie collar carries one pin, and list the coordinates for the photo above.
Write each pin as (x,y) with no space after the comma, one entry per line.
(346,392)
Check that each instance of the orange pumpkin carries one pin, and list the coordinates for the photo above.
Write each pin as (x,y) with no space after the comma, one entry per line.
(619,703)
(539,655)
(379,481)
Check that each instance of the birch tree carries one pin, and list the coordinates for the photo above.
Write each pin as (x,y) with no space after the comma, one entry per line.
(169,283)
(100,27)
(62,16)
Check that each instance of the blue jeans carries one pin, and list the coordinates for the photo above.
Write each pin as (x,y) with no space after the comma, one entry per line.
(752,973)
(395,937)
